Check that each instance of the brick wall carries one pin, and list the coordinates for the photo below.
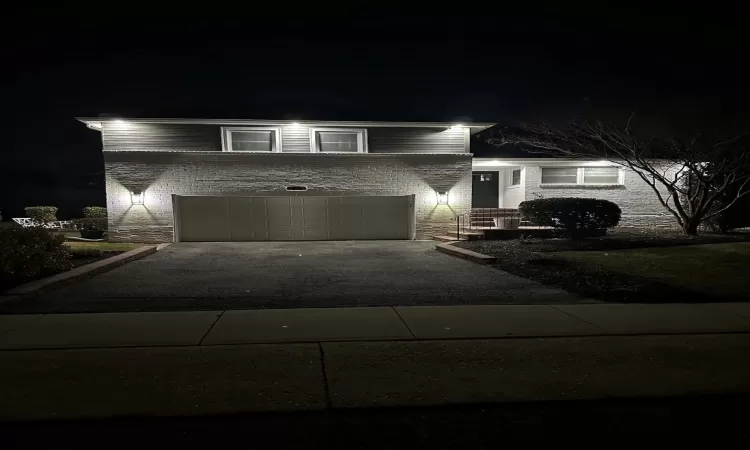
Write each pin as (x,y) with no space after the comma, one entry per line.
(637,200)
(160,174)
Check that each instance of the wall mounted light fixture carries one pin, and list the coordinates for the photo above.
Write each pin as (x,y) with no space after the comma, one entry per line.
(136,198)
(442,197)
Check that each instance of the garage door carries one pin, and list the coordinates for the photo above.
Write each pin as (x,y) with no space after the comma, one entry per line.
(222,219)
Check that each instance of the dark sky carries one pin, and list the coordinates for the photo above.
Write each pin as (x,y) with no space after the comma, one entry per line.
(58,64)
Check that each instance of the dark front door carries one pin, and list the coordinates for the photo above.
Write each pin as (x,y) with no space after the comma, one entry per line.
(485,189)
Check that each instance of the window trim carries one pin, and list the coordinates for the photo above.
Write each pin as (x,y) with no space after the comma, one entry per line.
(520,176)
(580,176)
(361,138)
(226,139)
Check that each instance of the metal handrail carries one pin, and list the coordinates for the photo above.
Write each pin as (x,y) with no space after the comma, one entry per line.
(499,218)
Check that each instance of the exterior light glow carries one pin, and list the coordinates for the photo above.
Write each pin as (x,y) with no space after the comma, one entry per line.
(458,125)
(136,198)
(295,124)
(94,125)
(442,197)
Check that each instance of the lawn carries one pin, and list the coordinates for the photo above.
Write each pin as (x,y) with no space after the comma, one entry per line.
(88,252)
(714,269)
(631,267)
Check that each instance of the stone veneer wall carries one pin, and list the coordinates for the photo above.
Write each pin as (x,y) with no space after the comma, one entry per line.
(637,200)
(160,174)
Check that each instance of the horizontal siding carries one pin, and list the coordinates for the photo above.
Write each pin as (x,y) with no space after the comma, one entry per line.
(417,140)
(295,139)
(130,136)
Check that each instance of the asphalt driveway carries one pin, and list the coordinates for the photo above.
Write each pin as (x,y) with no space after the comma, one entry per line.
(189,276)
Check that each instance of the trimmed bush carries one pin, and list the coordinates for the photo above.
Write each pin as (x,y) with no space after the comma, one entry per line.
(29,253)
(42,213)
(95,212)
(94,218)
(576,216)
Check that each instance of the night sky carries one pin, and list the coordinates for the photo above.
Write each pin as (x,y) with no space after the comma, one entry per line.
(677,70)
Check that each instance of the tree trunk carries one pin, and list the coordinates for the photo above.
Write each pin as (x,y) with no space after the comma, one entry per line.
(690,227)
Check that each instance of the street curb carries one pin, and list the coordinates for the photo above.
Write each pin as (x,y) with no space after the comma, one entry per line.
(463,253)
(37,287)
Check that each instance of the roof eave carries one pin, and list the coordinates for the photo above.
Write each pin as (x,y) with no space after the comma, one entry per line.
(96,123)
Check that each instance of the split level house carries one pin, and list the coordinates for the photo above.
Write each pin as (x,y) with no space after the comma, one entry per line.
(173,180)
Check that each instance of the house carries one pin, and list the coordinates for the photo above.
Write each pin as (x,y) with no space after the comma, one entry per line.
(172,180)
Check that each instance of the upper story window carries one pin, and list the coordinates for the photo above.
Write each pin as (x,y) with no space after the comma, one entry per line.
(338,140)
(255,139)
(581,175)
(515,177)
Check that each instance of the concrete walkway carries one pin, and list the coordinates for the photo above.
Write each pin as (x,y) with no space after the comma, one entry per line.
(205,328)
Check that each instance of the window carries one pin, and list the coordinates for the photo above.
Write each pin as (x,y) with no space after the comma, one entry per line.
(601,175)
(515,177)
(581,175)
(485,177)
(562,175)
(338,140)
(252,140)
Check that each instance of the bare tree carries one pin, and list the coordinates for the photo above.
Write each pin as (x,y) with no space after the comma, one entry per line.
(687,176)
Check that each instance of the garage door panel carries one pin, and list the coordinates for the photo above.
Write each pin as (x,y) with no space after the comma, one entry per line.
(314,218)
(293,218)
(204,219)
(242,220)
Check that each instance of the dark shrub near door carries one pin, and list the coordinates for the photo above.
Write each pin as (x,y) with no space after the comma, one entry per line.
(577,217)
(29,253)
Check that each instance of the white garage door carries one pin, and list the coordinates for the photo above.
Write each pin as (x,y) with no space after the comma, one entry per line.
(224,219)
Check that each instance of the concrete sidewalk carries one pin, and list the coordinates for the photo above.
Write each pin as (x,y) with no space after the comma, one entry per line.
(205,328)
(179,363)
(225,379)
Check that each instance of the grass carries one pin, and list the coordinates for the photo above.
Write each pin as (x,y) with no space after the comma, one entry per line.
(87,252)
(631,267)
(714,269)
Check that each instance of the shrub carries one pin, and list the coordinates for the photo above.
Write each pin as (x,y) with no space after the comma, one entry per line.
(95,212)
(42,213)
(576,216)
(736,216)
(29,253)
(94,218)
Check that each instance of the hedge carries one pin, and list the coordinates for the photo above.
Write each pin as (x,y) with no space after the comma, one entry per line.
(94,218)
(574,215)
(30,253)
(42,213)
(95,212)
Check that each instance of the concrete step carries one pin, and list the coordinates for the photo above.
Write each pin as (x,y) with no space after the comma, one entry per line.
(466,235)
(494,214)
(448,238)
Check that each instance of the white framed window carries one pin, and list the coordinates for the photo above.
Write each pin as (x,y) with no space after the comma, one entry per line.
(515,177)
(559,175)
(338,140)
(601,175)
(582,175)
(251,139)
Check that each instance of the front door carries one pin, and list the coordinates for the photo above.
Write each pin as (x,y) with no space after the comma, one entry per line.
(485,189)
